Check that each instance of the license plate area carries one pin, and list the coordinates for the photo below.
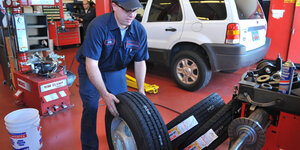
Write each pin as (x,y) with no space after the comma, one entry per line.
(255,36)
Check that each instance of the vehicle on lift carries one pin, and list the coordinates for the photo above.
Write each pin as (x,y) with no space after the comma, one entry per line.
(197,37)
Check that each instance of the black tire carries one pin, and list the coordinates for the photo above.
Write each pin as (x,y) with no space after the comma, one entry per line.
(202,112)
(218,141)
(201,74)
(143,121)
(218,123)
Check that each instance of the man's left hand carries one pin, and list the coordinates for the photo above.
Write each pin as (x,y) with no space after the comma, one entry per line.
(142,91)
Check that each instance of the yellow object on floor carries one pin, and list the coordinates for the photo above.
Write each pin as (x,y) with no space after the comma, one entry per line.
(131,82)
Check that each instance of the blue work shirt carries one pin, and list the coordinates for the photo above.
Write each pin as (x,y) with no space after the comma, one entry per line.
(103,43)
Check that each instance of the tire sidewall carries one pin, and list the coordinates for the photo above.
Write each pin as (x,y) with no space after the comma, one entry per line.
(132,120)
(141,116)
(203,70)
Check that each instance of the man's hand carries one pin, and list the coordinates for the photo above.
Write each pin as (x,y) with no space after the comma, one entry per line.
(79,19)
(110,100)
(142,91)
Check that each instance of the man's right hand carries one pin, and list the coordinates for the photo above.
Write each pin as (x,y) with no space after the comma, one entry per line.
(110,100)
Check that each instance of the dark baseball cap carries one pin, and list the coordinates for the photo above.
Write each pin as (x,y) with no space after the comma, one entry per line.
(129,4)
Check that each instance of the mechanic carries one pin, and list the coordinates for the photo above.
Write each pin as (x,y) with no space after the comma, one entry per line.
(112,41)
(88,15)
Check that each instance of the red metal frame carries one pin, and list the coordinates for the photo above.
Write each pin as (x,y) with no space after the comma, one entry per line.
(285,135)
(243,109)
(22,3)
(280,30)
(102,7)
(293,53)
(35,90)
(29,3)
(61,10)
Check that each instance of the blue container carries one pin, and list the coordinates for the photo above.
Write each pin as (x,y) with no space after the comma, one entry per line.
(286,79)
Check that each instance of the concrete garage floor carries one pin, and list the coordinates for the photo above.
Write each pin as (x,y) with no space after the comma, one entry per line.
(61,131)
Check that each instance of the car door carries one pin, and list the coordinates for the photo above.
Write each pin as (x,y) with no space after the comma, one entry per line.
(163,23)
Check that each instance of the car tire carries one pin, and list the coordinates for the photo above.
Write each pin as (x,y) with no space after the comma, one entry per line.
(190,71)
(202,112)
(218,123)
(139,125)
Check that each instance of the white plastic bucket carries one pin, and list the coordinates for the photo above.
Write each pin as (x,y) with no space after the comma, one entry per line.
(24,129)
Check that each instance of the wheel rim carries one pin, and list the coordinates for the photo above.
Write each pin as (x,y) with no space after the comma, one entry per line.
(121,135)
(187,71)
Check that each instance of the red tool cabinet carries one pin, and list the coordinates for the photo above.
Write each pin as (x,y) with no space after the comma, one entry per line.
(284,30)
(61,38)
(48,95)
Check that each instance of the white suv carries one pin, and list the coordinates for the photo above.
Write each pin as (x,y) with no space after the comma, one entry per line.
(196,37)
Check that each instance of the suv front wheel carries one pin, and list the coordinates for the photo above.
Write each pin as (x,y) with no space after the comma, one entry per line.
(190,71)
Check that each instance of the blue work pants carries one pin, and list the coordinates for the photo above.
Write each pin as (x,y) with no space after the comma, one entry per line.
(115,83)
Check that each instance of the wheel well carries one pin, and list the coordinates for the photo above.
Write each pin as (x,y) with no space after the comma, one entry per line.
(191,46)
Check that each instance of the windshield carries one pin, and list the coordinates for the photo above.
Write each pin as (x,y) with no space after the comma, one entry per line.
(249,9)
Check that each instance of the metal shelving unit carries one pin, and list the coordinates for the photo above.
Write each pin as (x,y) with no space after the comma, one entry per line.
(37,32)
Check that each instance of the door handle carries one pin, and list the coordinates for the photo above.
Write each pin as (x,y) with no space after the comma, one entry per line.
(171,29)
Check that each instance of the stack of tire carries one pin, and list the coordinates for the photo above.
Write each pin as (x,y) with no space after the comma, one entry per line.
(214,131)
(140,126)
(192,119)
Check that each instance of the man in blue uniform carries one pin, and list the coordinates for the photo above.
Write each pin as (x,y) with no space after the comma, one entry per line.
(112,41)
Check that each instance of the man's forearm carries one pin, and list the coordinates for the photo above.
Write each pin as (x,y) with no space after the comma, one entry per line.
(95,76)
(140,74)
